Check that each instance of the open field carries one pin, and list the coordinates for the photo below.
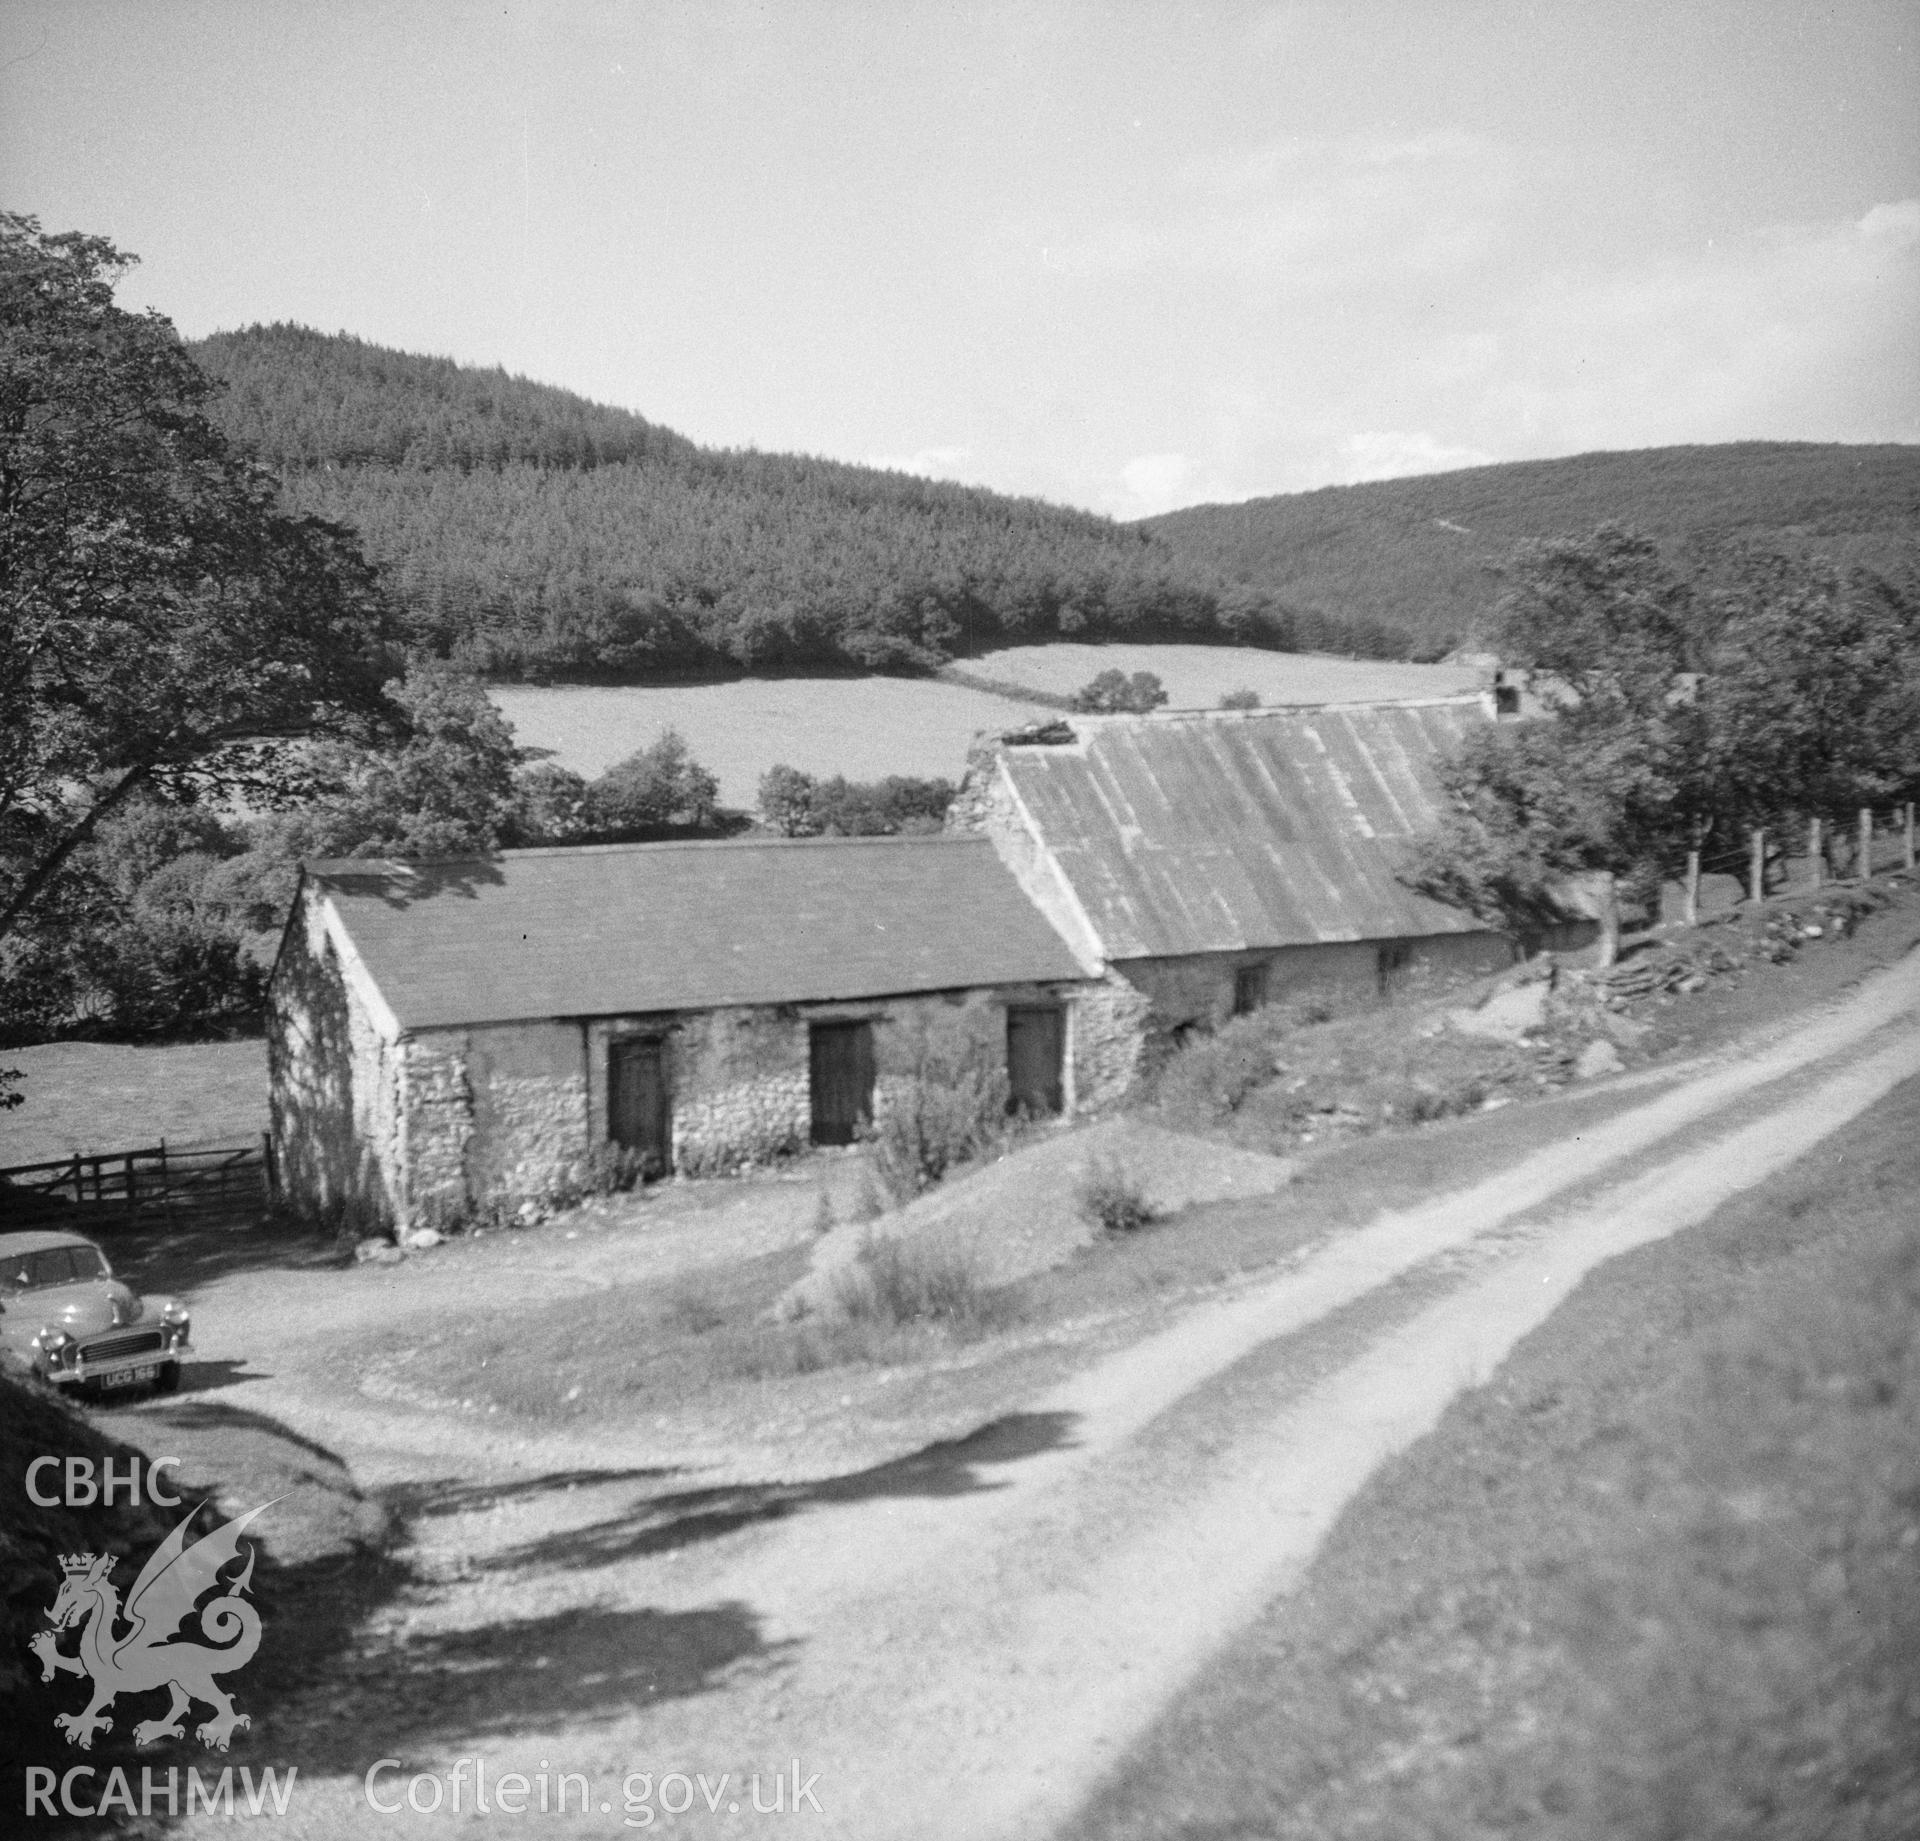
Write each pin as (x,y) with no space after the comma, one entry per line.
(112,1096)
(865,728)
(1197,677)
(1654,1579)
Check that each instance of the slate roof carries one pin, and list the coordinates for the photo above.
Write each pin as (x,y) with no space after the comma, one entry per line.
(623,928)
(1224,830)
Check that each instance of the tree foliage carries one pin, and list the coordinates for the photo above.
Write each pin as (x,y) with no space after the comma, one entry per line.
(1812,704)
(796,804)
(661,788)
(1786,691)
(530,534)
(445,788)
(1115,693)
(160,612)
(169,914)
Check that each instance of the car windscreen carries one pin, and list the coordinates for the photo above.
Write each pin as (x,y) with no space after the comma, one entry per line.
(51,1266)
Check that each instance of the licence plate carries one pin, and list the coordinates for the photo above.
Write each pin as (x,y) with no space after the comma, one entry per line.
(129,1377)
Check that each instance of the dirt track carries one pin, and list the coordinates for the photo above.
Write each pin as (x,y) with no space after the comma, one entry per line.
(960,1644)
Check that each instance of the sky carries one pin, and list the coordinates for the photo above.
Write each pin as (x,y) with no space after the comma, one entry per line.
(1127,256)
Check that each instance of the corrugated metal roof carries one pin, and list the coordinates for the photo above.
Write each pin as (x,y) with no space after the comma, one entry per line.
(1219,831)
(618,929)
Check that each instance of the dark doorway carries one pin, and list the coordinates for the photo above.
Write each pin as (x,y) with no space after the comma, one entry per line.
(1036,1043)
(1249,988)
(1393,960)
(840,1063)
(640,1102)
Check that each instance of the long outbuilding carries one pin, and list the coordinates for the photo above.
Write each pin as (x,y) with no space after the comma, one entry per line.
(446,1034)
(1214,861)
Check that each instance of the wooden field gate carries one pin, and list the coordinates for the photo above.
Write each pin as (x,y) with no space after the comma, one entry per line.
(153,1187)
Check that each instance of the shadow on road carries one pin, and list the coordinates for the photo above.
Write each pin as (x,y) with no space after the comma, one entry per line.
(373,1698)
(340,1679)
(662,1523)
(344,1675)
(175,1259)
(198,1377)
(453,1496)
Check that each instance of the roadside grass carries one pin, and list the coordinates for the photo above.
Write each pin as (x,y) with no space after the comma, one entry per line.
(1659,1578)
(1108,1196)
(894,1282)
(633,1352)
(320,1566)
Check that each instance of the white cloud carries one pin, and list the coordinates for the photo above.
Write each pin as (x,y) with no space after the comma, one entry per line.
(949,463)
(1809,331)
(1898,223)
(1794,332)
(1381,454)
(1155,482)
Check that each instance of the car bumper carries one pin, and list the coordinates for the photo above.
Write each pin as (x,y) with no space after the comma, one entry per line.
(118,1370)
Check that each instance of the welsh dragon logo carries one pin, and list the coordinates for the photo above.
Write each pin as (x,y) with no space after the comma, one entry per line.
(152,1653)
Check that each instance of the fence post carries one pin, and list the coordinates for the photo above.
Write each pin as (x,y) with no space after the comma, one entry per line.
(269,1173)
(1816,864)
(132,1195)
(1909,831)
(1690,908)
(1757,865)
(1864,867)
(79,1191)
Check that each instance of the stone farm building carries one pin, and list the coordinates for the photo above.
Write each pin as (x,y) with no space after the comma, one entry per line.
(1212,861)
(443,1033)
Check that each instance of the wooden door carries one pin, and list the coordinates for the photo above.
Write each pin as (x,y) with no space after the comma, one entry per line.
(1036,1043)
(1249,989)
(840,1058)
(640,1101)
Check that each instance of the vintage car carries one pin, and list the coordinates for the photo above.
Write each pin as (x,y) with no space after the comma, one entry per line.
(64,1314)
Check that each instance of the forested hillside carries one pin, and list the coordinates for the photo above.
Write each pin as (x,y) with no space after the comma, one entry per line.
(1429,554)
(529,533)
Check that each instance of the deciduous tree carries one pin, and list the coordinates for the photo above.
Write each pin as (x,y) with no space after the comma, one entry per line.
(1812,704)
(1789,691)
(160,614)
(1115,693)
(796,804)
(661,787)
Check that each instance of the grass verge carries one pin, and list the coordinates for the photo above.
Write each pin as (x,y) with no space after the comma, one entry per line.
(636,1351)
(894,1282)
(1660,1578)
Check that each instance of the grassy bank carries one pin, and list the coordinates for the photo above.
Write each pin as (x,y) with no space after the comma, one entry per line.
(1294,1075)
(1659,1578)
